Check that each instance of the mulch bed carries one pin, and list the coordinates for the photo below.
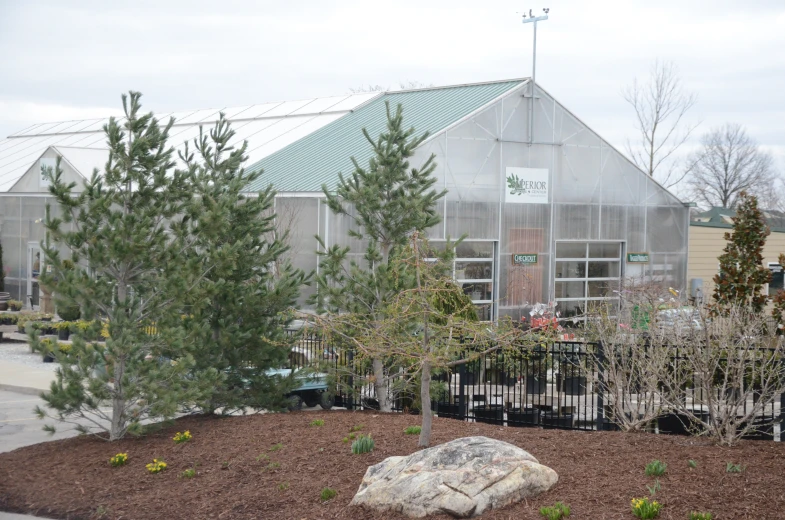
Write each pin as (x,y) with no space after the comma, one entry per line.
(599,472)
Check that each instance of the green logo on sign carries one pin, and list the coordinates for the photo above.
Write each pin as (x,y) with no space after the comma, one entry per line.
(638,258)
(518,186)
(524,259)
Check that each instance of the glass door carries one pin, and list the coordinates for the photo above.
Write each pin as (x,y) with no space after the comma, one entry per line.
(34,262)
(475,272)
(587,274)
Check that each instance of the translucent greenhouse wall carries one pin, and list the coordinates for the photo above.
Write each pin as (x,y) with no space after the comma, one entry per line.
(600,207)
(21,232)
(596,195)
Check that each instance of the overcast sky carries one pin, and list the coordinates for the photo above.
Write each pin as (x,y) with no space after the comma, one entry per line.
(71,60)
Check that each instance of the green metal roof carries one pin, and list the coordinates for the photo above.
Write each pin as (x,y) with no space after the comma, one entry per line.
(319,157)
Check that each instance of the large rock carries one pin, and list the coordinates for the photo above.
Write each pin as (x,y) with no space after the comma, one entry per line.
(462,478)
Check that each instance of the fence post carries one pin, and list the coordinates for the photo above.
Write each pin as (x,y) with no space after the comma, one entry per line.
(462,391)
(782,416)
(600,383)
(350,364)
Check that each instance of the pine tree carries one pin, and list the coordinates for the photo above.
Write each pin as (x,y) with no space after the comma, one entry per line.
(125,235)
(242,305)
(386,201)
(742,274)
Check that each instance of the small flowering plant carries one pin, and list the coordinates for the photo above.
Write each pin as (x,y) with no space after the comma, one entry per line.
(644,508)
(156,466)
(181,437)
(119,460)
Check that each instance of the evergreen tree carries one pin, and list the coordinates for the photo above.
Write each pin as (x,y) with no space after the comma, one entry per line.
(125,234)
(240,310)
(386,201)
(742,274)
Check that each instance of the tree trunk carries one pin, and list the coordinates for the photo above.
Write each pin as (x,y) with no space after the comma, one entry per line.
(425,407)
(380,386)
(118,402)
(118,396)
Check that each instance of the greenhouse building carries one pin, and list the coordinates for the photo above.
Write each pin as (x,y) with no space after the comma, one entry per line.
(549,211)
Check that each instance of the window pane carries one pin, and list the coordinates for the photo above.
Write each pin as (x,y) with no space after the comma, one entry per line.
(570,250)
(473,270)
(478,291)
(570,269)
(474,250)
(603,307)
(777,282)
(605,250)
(483,311)
(570,289)
(602,289)
(604,269)
(570,309)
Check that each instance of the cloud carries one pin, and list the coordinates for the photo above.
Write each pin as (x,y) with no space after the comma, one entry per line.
(199,54)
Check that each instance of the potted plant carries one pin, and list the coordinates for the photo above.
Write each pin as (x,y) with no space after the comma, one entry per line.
(571,377)
(489,413)
(15,305)
(676,422)
(47,349)
(555,419)
(68,311)
(527,416)
(63,330)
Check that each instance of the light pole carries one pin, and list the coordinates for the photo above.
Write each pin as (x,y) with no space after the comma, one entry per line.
(530,18)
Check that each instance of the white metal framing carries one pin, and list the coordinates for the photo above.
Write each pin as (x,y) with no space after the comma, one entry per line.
(586,278)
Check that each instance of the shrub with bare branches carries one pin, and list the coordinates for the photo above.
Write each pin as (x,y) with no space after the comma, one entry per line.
(630,356)
(736,364)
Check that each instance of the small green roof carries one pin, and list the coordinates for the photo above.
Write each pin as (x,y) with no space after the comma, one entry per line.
(318,158)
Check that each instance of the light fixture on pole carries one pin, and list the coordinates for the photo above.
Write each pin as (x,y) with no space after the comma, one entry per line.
(530,18)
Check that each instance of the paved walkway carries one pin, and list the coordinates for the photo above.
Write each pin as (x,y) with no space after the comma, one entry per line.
(20,427)
(22,377)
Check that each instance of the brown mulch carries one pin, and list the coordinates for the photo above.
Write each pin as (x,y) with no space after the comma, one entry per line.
(599,472)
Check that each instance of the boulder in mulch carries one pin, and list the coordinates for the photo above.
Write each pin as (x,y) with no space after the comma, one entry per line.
(462,478)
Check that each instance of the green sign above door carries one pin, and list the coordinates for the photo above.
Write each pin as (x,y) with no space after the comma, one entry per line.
(638,258)
(524,259)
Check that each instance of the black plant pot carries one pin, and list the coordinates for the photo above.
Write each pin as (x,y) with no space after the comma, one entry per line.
(49,358)
(534,385)
(677,423)
(526,417)
(489,413)
(609,426)
(575,385)
(553,420)
(763,431)
(63,334)
(447,409)
(370,403)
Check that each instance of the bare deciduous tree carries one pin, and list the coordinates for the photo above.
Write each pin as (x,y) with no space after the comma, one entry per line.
(402,85)
(367,88)
(632,354)
(660,105)
(728,163)
(730,373)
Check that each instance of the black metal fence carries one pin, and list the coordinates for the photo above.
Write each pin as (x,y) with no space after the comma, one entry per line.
(553,386)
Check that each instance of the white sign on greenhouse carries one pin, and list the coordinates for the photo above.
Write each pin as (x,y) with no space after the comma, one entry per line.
(526,186)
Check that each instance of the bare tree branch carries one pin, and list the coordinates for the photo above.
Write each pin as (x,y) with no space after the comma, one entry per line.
(660,106)
(728,163)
